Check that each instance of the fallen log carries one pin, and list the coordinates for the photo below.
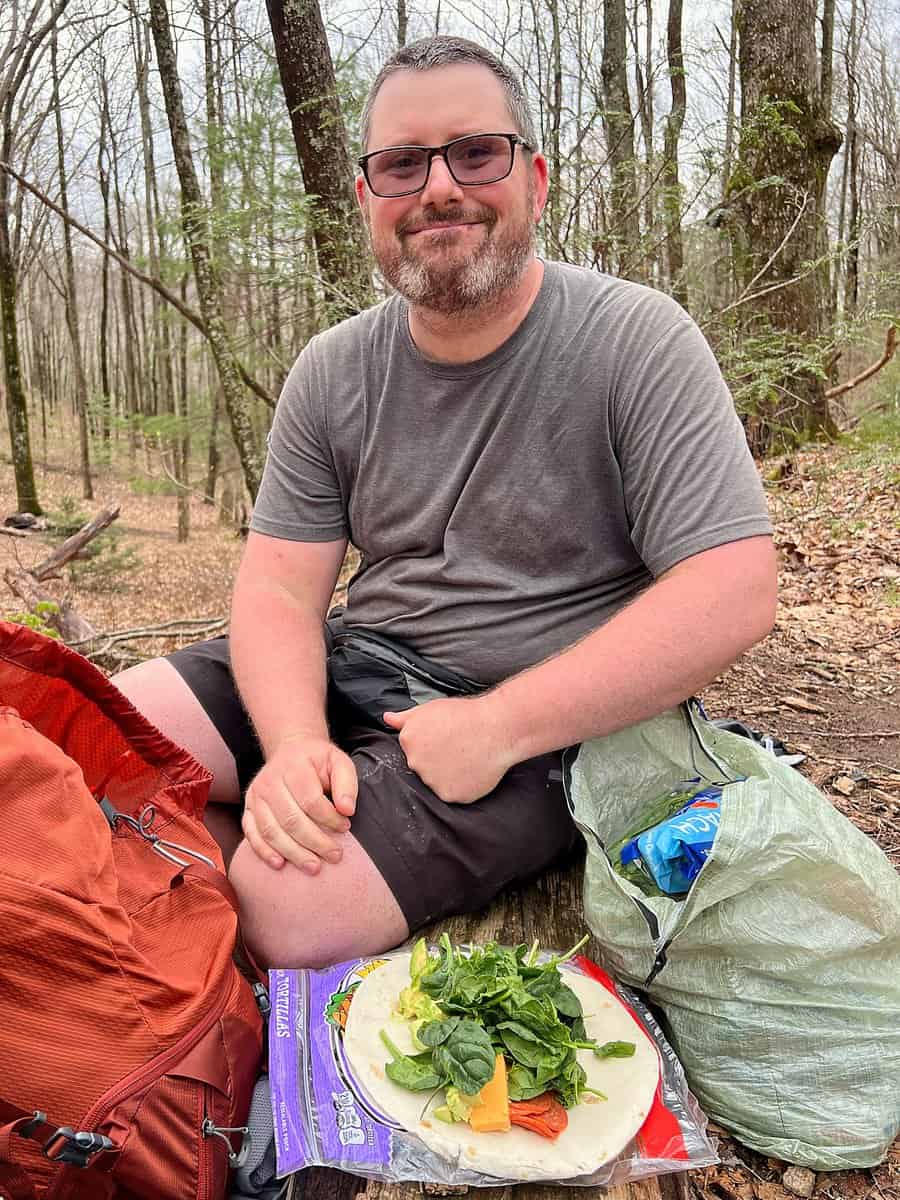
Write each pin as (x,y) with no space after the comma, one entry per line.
(66,620)
(70,624)
(73,545)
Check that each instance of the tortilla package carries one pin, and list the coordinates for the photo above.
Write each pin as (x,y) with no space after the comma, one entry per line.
(334,1105)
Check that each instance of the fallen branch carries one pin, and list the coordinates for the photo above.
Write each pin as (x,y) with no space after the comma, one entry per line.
(70,624)
(890,348)
(10,532)
(193,628)
(115,651)
(73,545)
(843,733)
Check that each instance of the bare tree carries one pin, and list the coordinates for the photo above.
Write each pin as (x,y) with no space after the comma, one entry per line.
(624,230)
(70,288)
(674,122)
(196,232)
(310,89)
(24,35)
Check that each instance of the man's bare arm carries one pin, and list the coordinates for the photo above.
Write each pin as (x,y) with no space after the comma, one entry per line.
(677,636)
(307,789)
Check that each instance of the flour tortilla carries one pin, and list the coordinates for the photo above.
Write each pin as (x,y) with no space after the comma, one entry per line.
(596,1132)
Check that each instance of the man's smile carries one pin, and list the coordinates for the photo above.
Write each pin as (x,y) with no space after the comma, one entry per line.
(439,227)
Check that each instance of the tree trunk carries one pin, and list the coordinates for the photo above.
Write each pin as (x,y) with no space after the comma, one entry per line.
(70,298)
(196,231)
(643,80)
(851,166)
(674,122)
(103,180)
(308,80)
(778,189)
(624,231)
(16,405)
(16,58)
(127,324)
(182,440)
(212,461)
(402,22)
(554,207)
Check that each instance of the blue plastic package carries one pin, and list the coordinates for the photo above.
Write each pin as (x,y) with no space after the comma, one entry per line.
(673,851)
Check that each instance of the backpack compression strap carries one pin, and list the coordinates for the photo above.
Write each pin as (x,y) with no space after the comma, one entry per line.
(60,1143)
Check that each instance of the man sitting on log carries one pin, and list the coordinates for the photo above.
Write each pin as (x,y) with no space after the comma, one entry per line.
(555,508)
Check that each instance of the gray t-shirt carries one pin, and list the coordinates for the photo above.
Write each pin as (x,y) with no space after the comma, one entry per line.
(504,508)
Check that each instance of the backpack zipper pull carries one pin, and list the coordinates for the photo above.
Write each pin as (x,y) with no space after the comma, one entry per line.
(235,1159)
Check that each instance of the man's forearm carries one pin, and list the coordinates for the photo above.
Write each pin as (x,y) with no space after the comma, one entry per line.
(671,641)
(281,672)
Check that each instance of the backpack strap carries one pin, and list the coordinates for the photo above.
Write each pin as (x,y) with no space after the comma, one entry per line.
(60,1143)
(14,1183)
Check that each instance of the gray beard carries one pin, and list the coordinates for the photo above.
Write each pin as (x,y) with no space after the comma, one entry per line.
(477,283)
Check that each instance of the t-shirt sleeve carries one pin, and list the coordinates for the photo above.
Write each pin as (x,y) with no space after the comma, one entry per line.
(689,479)
(300,494)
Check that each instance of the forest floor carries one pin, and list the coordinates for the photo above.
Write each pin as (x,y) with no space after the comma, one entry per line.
(826,681)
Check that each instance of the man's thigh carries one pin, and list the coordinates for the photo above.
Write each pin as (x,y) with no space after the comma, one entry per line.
(443,859)
(437,859)
(206,669)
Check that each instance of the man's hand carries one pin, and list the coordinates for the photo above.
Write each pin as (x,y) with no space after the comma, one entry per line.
(457,747)
(288,815)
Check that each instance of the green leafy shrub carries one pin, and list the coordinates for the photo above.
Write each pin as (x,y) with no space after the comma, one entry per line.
(38,618)
(67,519)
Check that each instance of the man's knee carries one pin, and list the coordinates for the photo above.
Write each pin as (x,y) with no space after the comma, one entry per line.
(291,919)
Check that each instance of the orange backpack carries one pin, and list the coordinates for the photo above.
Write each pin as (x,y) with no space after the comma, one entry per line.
(129,1041)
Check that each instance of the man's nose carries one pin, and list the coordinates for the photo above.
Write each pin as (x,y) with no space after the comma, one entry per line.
(441,187)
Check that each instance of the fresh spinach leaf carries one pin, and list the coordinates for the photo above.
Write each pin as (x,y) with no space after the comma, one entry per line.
(615,1050)
(466,1058)
(415,1072)
(435,1032)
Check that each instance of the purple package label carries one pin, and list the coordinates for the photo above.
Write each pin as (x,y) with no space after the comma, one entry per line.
(321,1113)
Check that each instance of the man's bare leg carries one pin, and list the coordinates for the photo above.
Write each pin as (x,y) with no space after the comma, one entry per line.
(289,918)
(157,690)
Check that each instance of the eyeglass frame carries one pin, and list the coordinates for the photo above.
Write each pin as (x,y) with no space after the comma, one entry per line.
(433,151)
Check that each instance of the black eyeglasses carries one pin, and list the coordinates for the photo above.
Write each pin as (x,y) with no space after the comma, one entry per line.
(472,160)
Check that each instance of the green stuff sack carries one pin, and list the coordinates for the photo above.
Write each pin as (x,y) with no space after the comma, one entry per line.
(778,974)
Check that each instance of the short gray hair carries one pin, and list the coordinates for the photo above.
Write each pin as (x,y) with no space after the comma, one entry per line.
(444,51)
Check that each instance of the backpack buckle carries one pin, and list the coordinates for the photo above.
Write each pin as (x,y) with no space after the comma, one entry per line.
(76,1149)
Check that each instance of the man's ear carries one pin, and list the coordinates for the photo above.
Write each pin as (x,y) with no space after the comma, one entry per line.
(361,199)
(539,176)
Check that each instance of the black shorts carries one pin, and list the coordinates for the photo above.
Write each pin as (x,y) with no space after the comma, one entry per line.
(438,859)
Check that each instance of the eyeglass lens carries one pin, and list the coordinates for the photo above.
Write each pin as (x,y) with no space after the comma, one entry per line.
(471,160)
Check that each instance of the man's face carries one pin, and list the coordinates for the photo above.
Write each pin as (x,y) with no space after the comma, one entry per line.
(451,248)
